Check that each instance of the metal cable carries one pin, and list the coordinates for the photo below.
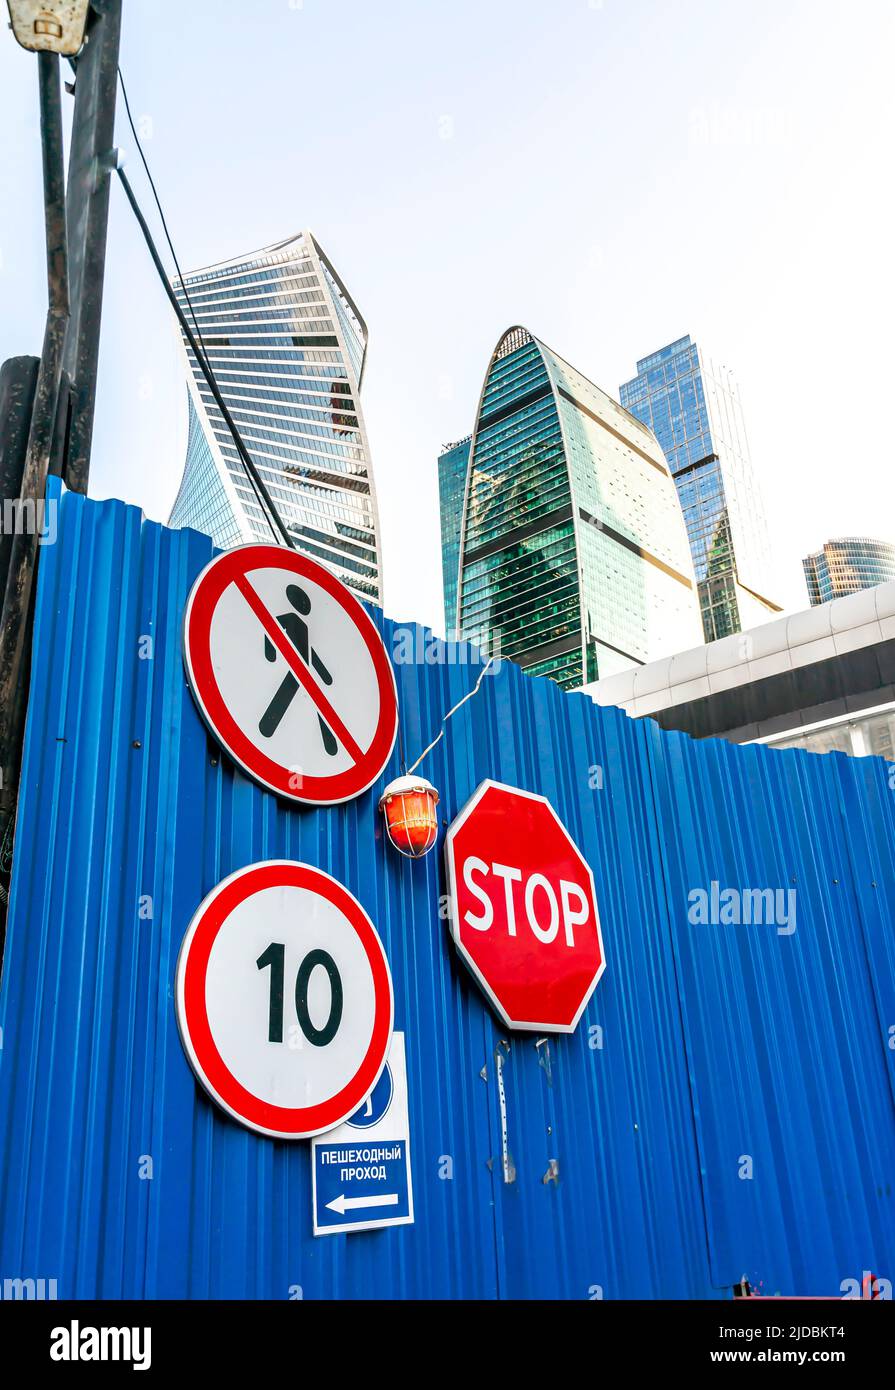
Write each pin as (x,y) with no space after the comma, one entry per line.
(267,503)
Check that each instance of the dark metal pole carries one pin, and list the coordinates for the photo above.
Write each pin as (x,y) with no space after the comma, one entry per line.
(42,438)
(89,179)
(18,382)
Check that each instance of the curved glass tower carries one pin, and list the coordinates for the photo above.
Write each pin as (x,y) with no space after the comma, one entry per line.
(695,410)
(287,346)
(846,565)
(574,556)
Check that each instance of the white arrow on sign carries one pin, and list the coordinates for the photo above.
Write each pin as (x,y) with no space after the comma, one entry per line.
(341,1204)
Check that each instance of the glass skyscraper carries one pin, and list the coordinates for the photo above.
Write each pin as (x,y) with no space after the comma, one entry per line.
(844,566)
(574,557)
(287,346)
(694,410)
(453,462)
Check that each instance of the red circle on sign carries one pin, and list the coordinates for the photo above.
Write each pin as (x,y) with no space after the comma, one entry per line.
(523,909)
(233,567)
(192,1014)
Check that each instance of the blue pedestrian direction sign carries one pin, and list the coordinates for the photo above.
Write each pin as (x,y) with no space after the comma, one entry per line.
(360,1171)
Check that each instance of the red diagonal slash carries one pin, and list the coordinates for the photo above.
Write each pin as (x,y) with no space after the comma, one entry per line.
(297,667)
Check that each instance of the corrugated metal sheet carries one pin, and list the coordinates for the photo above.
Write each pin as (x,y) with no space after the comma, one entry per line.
(700,1046)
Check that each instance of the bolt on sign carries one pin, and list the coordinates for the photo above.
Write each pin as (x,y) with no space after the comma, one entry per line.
(290,674)
(523,909)
(284,999)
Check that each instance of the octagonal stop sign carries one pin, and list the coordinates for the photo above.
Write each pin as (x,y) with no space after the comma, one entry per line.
(523,910)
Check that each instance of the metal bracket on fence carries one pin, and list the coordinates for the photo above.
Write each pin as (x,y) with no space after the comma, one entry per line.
(508,1167)
(552,1173)
(542,1047)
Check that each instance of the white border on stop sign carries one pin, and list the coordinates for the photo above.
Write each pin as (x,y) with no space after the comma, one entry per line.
(456,824)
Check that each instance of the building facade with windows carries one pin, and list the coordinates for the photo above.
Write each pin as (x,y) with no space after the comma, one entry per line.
(573,558)
(287,346)
(846,565)
(453,462)
(694,410)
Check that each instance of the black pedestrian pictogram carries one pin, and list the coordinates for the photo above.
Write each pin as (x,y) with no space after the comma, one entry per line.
(296,629)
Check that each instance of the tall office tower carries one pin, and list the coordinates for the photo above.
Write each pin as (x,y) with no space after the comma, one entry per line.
(453,462)
(846,565)
(574,555)
(287,345)
(694,411)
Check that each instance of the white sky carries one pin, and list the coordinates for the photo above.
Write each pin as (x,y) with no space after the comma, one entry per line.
(611,173)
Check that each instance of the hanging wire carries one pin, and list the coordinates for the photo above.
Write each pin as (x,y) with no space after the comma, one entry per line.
(197,342)
(468,696)
(401,749)
(161,211)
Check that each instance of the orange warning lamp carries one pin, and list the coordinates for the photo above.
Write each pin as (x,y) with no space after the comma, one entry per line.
(408,805)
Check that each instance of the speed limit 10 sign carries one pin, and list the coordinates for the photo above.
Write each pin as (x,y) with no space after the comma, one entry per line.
(284,999)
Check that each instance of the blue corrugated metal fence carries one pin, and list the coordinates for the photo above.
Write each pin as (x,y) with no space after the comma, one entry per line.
(705,1049)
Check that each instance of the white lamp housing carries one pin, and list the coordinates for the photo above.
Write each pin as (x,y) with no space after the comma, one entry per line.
(49,26)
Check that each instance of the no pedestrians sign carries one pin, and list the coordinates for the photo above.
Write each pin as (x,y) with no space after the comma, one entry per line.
(290,674)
